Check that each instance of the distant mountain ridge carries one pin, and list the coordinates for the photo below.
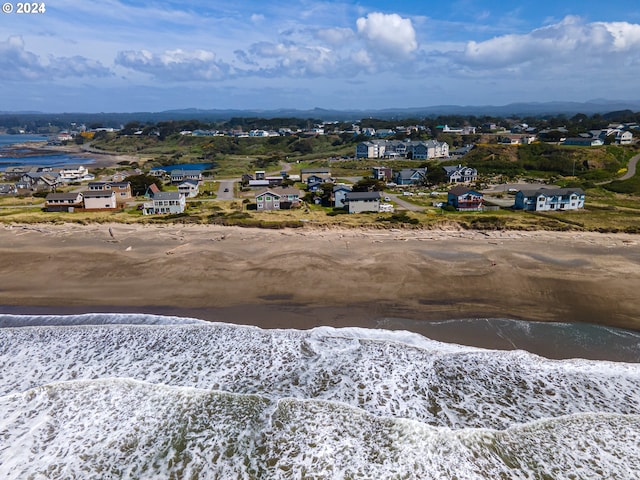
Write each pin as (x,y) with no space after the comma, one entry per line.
(521,109)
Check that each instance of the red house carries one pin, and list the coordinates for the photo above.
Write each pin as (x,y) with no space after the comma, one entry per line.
(465,199)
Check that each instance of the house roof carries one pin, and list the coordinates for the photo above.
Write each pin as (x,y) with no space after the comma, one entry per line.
(342,187)
(47,177)
(362,196)
(62,196)
(461,190)
(175,173)
(98,193)
(456,168)
(167,196)
(279,191)
(189,181)
(153,188)
(409,173)
(551,192)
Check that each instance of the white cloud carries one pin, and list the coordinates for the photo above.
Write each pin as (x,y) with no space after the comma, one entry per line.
(389,34)
(176,65)
(335,37)
(17,63)
(570,41)
(293,59)
(257,18)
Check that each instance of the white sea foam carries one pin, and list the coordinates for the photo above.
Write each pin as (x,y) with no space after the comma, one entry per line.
(7,320)
(119,428)
(123,399)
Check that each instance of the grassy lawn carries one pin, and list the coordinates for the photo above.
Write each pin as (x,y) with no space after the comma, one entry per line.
(597,216)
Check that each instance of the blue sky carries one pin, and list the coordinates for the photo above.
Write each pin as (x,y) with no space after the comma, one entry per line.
(121,56)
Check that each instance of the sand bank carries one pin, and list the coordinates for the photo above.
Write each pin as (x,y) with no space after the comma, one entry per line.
(304,277)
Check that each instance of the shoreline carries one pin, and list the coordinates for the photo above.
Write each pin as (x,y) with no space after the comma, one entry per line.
(553,340)
(99,159)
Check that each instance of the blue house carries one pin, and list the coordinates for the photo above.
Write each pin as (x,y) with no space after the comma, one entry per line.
(549,199)
(411,176)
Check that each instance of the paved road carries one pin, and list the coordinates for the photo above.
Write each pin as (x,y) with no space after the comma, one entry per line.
(631,169)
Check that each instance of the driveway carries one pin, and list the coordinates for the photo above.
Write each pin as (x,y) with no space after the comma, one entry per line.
(403,203)
(228,186)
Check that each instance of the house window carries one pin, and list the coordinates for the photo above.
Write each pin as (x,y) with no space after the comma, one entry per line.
(261,205)
(276,205)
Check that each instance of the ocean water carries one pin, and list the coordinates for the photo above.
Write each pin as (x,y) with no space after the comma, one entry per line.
(147,396)
(8,158)
(8,140)
(53,161)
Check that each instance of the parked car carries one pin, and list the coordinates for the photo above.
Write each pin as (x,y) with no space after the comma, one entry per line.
(387,199)
(407,194)
(226,189)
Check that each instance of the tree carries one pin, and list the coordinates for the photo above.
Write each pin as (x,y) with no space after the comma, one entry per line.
(369,185)
(140,183)
(303,146)
(436,175)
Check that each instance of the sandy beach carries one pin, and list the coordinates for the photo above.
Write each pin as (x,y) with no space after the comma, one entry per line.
(300,278)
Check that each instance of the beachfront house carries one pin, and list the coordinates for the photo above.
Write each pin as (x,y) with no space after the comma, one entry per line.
(165,202)
(100,200)
(122,190)
(339,193)
(465,199)
(277,198)
(550,199)
(358,202)
(63,202)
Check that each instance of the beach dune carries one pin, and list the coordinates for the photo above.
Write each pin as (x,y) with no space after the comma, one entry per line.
(301,278)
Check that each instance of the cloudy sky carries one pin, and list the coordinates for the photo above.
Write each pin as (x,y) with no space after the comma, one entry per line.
(122,55)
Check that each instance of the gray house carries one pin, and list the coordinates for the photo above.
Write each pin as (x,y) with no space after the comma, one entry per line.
(363,201)
(411,176)
(165,202)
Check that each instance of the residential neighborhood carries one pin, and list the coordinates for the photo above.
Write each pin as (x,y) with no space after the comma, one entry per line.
(440,168)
